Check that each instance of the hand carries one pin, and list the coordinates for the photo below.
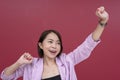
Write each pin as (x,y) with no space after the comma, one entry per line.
(102,14)
(26,58)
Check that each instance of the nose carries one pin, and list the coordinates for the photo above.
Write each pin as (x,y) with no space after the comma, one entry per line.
(54,45)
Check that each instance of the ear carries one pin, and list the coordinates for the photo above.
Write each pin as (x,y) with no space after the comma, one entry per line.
(40,45)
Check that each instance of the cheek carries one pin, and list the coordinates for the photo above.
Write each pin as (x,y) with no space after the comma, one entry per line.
(45,47)
(59,48)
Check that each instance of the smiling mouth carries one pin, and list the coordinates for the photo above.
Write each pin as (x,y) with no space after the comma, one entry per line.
(52,52)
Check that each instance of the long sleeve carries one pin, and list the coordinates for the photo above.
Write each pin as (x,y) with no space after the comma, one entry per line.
(18,73)
(31,71)
(83,51)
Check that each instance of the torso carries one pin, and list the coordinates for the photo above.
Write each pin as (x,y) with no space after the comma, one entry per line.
(50,71)
(57,77)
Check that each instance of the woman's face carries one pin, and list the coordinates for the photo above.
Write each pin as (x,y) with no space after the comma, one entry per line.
(51,45)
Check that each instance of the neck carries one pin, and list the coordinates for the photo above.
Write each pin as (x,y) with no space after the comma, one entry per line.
(49,61)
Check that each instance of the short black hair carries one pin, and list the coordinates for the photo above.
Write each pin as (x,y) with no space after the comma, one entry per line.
(43,36)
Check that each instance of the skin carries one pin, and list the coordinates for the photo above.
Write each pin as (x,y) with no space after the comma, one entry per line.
(51,48)
(51,44)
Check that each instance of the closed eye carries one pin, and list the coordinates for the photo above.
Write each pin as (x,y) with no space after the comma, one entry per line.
(58,43)
(50,41)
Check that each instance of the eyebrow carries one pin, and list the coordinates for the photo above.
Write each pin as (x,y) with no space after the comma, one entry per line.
(53,40)
(50,39)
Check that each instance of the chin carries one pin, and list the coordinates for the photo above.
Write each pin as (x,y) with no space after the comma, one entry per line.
(52,57)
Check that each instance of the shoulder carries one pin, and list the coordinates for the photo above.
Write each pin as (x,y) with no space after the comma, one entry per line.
(63,58)
(37,60)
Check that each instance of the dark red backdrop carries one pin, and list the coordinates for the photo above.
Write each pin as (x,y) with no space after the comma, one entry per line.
(21,23)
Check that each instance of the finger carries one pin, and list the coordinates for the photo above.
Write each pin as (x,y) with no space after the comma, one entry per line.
(98,12)
(25,55)
(101,9)
(28,56)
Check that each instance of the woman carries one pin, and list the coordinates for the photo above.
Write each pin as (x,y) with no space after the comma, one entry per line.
(53,64)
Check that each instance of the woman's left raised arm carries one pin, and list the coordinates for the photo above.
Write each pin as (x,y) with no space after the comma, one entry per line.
(103,19)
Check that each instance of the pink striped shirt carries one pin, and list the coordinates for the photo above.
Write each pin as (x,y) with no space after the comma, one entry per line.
(66,63)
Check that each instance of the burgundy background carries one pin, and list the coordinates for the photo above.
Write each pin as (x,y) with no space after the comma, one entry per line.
(22,21)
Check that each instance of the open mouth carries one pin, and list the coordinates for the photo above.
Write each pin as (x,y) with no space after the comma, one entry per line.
(53,52)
